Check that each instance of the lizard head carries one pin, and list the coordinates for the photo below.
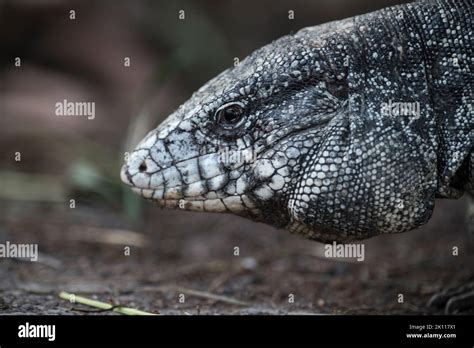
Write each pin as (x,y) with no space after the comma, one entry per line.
(238,144)
(294,136)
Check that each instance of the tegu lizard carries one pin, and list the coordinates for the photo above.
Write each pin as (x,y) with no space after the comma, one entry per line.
(340,132)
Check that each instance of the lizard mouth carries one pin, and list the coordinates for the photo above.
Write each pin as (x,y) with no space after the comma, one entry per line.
(167,194)
(199,190)
(201,204)
(158,194)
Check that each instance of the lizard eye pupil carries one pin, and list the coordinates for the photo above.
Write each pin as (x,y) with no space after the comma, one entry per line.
(230,115)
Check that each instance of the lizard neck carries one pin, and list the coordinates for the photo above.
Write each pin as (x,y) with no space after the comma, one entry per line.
(423,51)
(400,143)
(445,27)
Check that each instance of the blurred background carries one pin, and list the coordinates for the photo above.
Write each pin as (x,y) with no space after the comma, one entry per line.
(82,249)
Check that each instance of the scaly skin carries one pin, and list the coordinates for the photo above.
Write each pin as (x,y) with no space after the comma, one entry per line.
(319,153)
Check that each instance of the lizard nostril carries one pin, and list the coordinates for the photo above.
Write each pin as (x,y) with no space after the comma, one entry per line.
(142,167)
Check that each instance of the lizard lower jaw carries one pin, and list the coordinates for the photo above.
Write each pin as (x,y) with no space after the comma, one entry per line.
(199,203)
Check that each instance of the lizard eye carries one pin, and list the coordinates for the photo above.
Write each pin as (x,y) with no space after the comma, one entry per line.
(230,115)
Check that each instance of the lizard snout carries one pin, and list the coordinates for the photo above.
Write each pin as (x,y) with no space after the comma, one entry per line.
(125,175)
(136,171)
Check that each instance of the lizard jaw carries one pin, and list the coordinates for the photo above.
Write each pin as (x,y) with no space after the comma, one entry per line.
(174,198)
(230,204)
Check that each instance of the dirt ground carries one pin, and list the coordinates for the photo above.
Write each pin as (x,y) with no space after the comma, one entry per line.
(167,260)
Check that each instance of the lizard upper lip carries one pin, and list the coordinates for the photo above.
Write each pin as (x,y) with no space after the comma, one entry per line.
(125,176)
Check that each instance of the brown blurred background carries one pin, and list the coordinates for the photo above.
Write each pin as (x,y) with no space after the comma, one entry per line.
(63,158)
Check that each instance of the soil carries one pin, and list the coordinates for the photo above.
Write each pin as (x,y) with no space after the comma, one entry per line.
(186,263)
